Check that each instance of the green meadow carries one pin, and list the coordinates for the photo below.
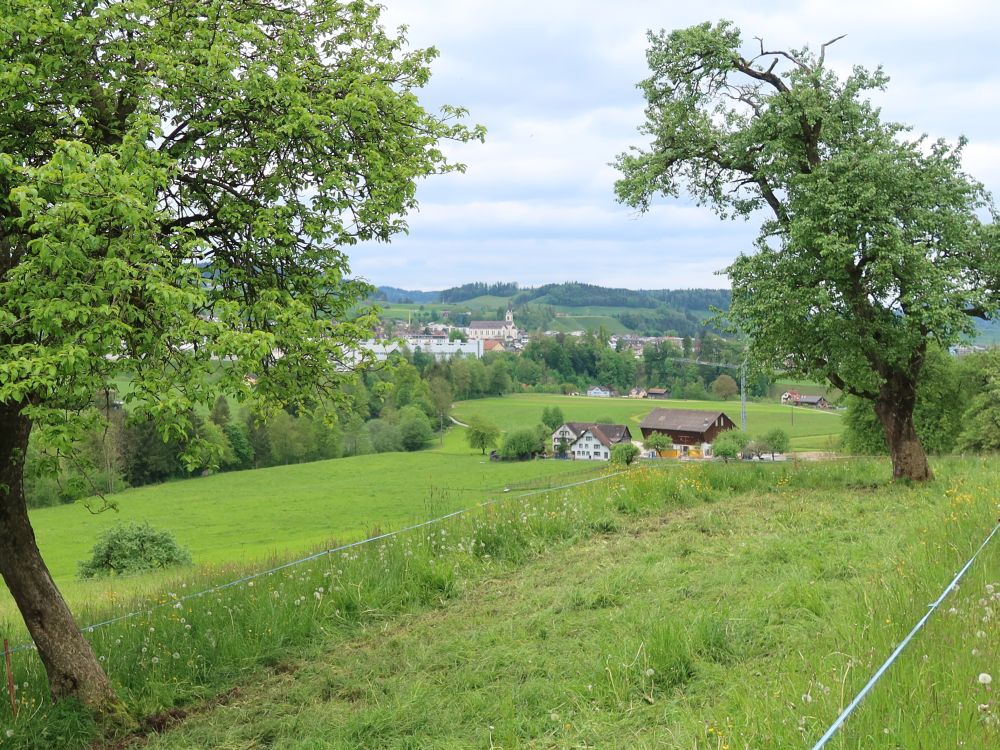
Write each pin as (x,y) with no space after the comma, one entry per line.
(810,429)
(250,516)
(700,606)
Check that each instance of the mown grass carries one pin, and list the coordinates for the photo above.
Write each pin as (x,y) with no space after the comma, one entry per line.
(809,429)
(701,606)
(248,516)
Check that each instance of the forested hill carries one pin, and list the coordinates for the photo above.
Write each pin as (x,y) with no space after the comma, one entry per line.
(569,294)
(585,295)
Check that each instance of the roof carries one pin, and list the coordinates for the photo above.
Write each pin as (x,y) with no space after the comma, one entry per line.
(811,399)
(487,324)
(608,434)
(656,390)
(681,420)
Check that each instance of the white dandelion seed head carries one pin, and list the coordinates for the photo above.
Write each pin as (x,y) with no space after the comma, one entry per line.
(985,678)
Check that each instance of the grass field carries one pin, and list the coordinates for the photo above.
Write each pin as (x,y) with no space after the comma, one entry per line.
(248,516)
(697,607)
(810,430)
(578,322)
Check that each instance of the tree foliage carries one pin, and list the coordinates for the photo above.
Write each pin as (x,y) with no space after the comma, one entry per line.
(874,247)
(725,387)
(482,434)
(521,444)
(730,444)
(981,422)
(552,417)
(624,454)
(177,188)
(658,442)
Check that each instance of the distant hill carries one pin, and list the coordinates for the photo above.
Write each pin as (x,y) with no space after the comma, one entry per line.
(568,294)
(405,296)
(568,306)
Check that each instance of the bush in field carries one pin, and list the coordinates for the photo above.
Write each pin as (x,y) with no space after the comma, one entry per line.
(521,444)
(624,454)
(133,548)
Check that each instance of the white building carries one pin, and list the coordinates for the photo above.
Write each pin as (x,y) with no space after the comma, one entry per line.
(437,347)
(586,441)
(504,330)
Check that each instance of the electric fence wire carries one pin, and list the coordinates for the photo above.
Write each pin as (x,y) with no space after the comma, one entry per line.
(899,649)
(175,602)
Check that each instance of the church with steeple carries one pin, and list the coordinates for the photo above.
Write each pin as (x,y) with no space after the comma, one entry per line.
(503,330)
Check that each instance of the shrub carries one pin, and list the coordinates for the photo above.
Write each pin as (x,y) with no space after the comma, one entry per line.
(132,548)
(624,454)
(521,444)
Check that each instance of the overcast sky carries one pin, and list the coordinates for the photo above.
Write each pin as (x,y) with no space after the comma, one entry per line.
(554,83)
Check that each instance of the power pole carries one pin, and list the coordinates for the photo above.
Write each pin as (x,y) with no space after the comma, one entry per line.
(743,396)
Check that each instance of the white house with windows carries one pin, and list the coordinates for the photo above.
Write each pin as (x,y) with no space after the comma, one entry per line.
(588,441)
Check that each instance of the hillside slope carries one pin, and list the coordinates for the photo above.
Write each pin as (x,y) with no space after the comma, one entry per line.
(746,622)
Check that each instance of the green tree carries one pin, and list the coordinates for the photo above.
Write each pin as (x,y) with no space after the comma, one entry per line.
(874,247)
(220,411)
(552,417)
(441,397)
(729,444)
(177,188)
(383,436)
(482,434)
(499,378)
(658,442)
(239,439)
(942,398)
(624,454)
(777,441)
(521,444)
(414,428)
(725,387)
(982,418)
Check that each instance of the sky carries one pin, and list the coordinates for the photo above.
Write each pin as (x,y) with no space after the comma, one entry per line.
(554,83)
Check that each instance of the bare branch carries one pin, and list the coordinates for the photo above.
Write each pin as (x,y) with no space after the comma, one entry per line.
(822,48)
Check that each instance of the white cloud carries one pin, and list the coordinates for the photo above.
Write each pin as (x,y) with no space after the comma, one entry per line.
(554,82)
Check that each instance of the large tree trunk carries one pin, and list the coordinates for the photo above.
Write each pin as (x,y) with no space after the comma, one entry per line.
(894,408)
(72,668)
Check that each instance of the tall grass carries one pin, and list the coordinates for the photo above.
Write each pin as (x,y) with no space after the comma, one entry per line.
(776,608)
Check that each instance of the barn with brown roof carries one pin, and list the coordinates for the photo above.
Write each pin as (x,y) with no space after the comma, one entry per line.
(690,430)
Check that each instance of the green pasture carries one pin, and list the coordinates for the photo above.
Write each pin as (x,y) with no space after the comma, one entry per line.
(810,429)
(567,323)
(703,606)
(249,516)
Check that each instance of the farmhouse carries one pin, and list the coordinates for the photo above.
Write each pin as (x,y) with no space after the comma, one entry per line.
(817,402)
(589,441)
(660,393)
(690,430)
(601,391)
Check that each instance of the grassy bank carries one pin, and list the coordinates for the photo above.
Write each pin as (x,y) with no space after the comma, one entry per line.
(705,606)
